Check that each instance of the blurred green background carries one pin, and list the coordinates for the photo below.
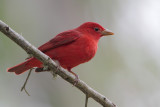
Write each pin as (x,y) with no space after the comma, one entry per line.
(125,68)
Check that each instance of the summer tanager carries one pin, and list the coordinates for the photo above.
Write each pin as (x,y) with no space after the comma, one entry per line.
(69,48)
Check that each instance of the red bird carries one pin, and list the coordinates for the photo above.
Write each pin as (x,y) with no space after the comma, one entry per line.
(69,48)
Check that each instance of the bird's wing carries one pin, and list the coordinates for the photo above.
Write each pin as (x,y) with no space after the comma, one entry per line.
(61,39)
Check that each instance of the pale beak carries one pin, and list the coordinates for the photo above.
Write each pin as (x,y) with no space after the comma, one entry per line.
(107,32)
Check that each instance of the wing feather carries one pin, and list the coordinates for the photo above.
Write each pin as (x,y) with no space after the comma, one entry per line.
(61,39)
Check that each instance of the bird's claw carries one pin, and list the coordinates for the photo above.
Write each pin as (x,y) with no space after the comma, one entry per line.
(76,80)
(57,68)
(76,77)
(39,70)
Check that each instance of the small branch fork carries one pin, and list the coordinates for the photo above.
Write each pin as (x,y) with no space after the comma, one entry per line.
(24,44)
(24,85)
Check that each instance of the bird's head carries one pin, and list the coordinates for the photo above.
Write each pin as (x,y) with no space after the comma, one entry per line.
(94,29)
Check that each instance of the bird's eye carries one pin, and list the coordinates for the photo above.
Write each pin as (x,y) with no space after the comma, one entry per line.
(96,29)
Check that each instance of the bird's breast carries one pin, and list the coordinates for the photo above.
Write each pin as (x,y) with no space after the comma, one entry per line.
(86,48)
(71,55)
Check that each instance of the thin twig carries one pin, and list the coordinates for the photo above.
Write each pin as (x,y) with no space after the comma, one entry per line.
(86,100)
(17,38)
(24,85)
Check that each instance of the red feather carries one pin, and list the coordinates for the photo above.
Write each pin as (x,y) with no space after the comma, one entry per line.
(69,48)
(63,38)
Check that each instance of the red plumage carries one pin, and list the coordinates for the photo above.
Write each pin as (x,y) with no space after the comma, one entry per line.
(69,48)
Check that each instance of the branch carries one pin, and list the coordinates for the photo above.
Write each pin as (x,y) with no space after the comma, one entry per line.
(30,49)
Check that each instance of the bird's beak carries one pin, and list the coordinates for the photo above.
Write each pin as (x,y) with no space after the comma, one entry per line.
(107,32)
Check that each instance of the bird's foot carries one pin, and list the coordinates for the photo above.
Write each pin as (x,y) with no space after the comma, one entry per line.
(57,65)
(57,68)
(76,80)
(39,70)
(76,77)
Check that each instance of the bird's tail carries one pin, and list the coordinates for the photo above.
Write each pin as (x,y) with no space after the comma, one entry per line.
(22,67)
